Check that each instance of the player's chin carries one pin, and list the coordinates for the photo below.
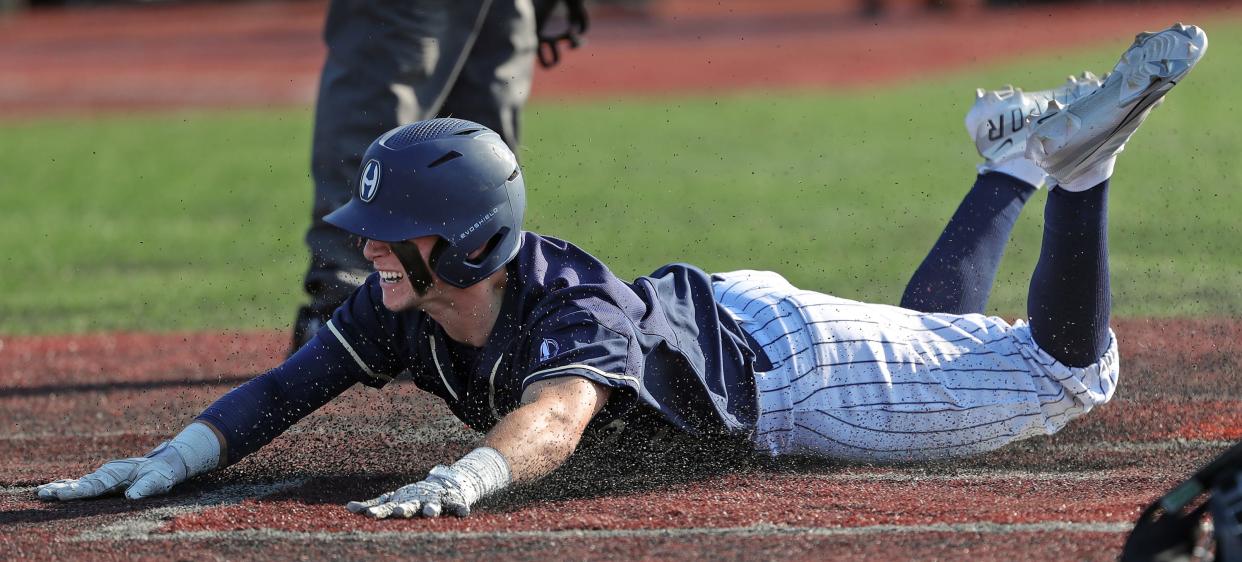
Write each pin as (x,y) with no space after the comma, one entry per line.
(398,297)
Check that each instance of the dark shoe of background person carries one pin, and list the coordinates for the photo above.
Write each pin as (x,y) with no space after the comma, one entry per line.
(308,322)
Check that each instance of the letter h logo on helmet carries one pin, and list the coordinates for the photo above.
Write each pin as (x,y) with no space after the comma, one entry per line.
(368,184)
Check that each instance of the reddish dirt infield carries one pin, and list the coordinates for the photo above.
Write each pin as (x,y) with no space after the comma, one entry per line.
(72,402)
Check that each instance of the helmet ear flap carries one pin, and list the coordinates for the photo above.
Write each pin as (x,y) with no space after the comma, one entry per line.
(456,265)
(489,247)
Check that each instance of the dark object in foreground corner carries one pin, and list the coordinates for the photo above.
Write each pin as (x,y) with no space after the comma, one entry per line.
(1171,529)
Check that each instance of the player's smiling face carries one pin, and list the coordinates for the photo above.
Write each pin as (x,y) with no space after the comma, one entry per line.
(399,293)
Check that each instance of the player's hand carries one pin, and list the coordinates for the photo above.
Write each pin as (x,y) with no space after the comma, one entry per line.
(139,477)
(440,492)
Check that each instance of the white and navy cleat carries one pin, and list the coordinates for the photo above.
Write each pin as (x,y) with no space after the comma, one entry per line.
(1076,143)
(998,119)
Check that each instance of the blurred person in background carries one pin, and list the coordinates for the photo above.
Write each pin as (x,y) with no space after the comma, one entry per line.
(391,63)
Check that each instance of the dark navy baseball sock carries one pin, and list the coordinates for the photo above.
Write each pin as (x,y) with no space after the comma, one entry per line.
(956,276)
(1070,301)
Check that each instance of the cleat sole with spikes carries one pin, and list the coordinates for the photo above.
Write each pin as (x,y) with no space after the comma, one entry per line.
(1069,141)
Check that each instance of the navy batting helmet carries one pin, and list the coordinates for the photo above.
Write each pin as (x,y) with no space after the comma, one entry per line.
(450,178)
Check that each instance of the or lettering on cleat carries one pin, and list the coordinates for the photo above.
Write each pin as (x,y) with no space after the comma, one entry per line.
(996,132)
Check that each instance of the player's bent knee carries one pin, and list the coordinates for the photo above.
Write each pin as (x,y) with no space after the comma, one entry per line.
(1079,388)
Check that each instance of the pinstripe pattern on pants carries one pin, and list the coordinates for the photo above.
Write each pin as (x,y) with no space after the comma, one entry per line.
(874,382)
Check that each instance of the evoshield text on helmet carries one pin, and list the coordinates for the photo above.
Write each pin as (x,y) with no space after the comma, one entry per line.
(446,177)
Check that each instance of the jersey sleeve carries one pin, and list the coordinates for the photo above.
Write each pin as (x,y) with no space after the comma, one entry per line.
(372,336)
(251,415)
(576,343)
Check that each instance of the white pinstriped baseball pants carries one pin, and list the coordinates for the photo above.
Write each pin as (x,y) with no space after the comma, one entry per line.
(873,382)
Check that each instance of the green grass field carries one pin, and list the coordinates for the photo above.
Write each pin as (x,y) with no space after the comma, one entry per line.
(194,220)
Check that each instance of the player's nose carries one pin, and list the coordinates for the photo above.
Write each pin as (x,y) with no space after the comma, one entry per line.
(374,249)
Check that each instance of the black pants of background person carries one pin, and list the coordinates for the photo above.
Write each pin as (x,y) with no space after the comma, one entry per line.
(392,62)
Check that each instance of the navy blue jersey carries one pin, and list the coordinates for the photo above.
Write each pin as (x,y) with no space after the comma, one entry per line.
(661,343)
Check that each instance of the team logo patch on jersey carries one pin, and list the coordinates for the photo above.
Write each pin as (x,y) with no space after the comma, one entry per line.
(368,184)
(547,349)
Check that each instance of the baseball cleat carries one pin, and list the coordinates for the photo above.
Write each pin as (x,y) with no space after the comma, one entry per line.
(998,119)
(1080,141)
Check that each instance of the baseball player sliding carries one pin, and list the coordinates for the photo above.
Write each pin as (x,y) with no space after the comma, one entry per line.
(537,343)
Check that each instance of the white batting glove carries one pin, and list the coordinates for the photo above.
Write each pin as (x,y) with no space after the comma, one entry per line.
(437,494)
(194,451)
(140,477)
(447,489)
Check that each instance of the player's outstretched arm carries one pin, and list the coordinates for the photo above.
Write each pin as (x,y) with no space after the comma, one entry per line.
(192,452)
(526,445)
(539,437)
